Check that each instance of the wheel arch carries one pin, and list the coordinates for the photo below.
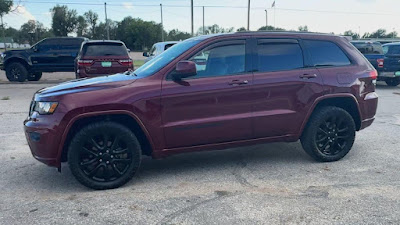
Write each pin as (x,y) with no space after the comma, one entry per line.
(347,102)
(19,60)
(125,118)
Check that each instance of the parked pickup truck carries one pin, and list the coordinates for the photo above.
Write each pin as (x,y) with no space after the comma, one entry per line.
(385,59)
(391,69)
(48,55)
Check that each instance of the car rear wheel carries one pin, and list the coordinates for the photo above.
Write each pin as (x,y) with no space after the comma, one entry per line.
(16,72)
(393,82)
(329,135)
(104,155)
(35,76)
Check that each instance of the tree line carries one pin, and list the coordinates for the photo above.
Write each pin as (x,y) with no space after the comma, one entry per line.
(135,32)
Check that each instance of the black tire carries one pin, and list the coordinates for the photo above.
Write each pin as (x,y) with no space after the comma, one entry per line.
(35,76)
(393,82)
(329,135)
(104,155)
(16,72)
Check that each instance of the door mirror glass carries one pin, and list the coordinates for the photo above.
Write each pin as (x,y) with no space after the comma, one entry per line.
(184,69)
(145,54)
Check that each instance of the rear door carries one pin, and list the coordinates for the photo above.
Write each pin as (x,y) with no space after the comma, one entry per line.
(284,87)
(215,105)
(67,52)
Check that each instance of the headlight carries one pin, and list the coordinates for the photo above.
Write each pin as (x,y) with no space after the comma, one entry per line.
(45,108)
(3,55)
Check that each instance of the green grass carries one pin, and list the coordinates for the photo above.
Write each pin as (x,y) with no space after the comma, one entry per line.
(5,98)
(138,63)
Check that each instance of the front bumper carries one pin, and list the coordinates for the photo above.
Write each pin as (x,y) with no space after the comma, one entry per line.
(43,141)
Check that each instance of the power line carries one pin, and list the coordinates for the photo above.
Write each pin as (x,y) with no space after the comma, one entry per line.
(214,6)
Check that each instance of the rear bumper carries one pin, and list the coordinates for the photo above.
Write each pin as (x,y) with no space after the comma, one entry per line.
(389,74)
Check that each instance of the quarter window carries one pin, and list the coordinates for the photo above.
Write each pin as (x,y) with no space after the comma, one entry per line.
(220,60)
(279,56)
(326,53)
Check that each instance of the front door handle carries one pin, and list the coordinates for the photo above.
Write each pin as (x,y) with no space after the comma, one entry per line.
(308,76)
(238,82)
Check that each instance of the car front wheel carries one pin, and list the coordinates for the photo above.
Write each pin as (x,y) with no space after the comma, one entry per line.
(329,135)
(104,155)
(16,72)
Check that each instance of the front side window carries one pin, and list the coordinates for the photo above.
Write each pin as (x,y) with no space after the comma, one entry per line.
(220,60)
(279,56)
(152,50)
(326,53)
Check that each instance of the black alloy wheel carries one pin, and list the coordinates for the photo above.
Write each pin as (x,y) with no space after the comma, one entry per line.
(104,155)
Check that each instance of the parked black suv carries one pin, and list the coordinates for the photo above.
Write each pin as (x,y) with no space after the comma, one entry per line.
(48,55)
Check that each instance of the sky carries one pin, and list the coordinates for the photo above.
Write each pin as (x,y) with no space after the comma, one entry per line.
(319,15)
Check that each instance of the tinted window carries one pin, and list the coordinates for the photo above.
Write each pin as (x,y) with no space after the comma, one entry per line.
(167,46)
(279,56)
(104,49)
(325,53)
(49,44)
(393,49)
(368,48)
(220,60)
(71,43)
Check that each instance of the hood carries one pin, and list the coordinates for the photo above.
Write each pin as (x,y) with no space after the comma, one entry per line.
(15,51)
(88,84)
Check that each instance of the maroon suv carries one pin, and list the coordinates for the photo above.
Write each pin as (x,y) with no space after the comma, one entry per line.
(250,88)
(98,58)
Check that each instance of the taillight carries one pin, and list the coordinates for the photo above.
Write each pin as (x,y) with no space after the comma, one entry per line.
(85,62)
(380,62)
(126,62)
(373,74)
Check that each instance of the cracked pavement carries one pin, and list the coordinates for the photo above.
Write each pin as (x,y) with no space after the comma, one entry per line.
(263,184)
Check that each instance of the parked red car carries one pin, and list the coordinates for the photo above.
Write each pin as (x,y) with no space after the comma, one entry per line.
(98,58)
(251,88)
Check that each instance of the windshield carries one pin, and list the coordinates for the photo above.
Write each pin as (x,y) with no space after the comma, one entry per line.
(158,62)
(369,48)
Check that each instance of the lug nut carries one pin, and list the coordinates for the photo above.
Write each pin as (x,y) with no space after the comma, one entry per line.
(100,160)
(108,162)
(100,153)
(107,151)
(112,156)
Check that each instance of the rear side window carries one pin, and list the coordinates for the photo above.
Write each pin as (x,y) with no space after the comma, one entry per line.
(104,49)
(168,46)
(369,48)
(392,49)
(326,53)
(71,43)
(279,56)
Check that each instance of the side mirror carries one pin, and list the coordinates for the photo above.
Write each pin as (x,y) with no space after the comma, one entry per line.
(145,54)
(35,48)
(128,50)
(185,69)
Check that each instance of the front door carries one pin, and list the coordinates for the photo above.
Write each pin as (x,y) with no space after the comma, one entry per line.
(284,87)
(215,105)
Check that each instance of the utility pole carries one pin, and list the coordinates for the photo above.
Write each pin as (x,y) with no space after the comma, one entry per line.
(203,22)
(191,4)
(248,17)
(4,37)
(107,28)
(266,19)
(162,25)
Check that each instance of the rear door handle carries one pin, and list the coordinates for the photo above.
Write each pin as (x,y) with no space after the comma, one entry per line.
(238,82)
(308,76)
